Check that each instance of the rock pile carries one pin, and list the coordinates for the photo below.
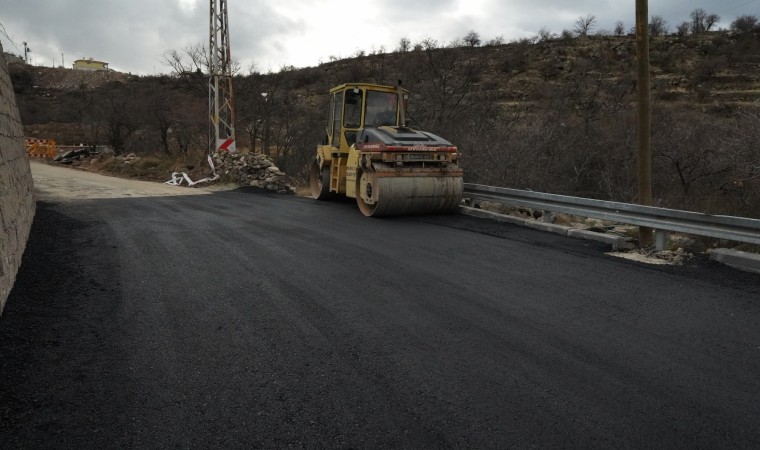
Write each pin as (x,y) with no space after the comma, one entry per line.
(252,169)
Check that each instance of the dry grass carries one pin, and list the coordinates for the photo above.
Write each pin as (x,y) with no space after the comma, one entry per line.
(149,168)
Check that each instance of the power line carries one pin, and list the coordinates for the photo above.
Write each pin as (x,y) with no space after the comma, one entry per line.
(5,33)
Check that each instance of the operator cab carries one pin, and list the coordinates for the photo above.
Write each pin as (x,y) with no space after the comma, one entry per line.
(360,106)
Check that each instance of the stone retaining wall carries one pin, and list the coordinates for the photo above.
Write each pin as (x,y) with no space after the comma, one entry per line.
(16,186)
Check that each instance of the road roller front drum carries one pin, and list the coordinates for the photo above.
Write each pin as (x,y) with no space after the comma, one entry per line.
(399,195)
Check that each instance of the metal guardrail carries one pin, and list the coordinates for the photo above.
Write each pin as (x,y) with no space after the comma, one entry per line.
(663,220)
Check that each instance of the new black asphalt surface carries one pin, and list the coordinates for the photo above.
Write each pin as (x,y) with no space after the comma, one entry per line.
(243,319)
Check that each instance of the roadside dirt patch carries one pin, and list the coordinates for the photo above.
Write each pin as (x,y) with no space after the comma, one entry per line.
(62,184)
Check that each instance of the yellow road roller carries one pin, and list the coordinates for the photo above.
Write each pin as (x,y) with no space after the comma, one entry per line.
(370,154)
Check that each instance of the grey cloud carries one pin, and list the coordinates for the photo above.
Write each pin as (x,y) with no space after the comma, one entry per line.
(133,35)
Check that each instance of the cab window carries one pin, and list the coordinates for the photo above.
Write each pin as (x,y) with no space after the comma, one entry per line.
(382,109)
(336,109)
(352,112)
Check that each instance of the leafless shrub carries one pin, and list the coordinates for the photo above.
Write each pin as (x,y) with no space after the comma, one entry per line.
(706,69)
(550,68)
(566,35)
(692,157)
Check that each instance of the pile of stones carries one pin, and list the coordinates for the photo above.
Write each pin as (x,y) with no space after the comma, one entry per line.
(252,169)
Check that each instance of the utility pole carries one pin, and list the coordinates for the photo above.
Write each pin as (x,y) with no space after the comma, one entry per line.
(265,143)
(644,160)
(220,100)
(27,50)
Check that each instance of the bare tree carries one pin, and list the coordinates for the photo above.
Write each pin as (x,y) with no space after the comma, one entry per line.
(688,152)
(545,35)
(498,40)
(443,82)
(252,108)
(658,26)
(745,24)
(589,95)
(428,44)
(697,24)
(619,28)
(584,25)
(192,58)
(191,66)
(711,20)
(404,45)
(117,117)
(746,146)
(162,110)
(456,43)
(701,21)
(683,28)
(472,39)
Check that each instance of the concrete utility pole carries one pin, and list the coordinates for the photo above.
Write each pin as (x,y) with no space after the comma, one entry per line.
(265,143)
(27,50)
(220,99)
(644,160)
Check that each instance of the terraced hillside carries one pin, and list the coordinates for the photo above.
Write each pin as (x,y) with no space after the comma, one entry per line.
(556,115)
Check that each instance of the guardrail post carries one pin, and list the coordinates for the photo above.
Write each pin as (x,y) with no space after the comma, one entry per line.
(660,240)
(546,216)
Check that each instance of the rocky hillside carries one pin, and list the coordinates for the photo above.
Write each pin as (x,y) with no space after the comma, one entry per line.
(555,115)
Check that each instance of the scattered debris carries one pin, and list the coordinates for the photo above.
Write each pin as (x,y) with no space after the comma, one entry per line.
(129,159)
(178,177)
(650,256)
(76,155)
(251,169)
(685,246)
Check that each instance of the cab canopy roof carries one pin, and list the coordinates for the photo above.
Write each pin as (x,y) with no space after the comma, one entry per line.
(370,86)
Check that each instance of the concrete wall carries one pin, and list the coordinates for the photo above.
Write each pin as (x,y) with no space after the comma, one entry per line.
(16,187)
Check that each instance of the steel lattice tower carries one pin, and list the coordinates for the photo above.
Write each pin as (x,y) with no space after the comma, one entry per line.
(220,99)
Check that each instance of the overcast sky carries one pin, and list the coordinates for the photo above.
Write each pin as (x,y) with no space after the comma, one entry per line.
(133,35)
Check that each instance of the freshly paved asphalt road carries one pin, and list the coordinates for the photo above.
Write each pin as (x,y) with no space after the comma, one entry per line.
(244,319)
